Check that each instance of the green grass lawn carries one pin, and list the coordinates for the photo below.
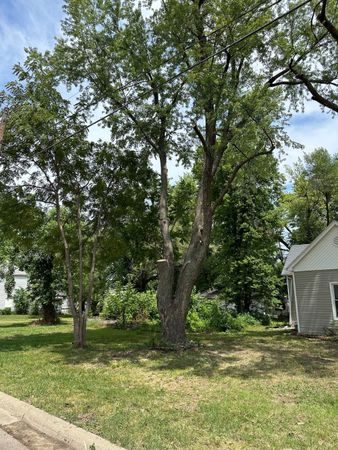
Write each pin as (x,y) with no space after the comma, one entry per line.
(258,389)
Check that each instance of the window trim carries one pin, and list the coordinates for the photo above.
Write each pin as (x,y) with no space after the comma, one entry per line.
(333,300)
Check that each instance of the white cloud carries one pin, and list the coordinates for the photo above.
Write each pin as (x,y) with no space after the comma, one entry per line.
(313,128)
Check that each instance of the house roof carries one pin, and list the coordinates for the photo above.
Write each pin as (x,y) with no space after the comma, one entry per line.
(333,224)
(297,252)
(293,254)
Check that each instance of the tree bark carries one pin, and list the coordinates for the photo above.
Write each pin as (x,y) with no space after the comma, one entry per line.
(49,314)
(166,271)
(79,329)
(323,19)
(174,297)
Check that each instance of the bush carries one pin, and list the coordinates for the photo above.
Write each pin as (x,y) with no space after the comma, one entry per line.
(195,323)
(34,309)
(200,313)
(6,311)
(125,305)
(216,315)
(223,320)
(21,301)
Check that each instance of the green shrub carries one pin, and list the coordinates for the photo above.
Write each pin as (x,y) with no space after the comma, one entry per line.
(21,301)
(34,308)
(195,322)
(6,311)
(221,319)
(214,314)
(200,313)
(125,305)
(146,304)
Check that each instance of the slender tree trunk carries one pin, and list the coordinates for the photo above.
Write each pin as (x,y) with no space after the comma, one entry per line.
(80,329)
(92,269)
(79,320)
(327,209)
(80,240)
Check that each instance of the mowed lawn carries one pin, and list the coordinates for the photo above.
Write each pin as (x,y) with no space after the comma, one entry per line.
(258,389)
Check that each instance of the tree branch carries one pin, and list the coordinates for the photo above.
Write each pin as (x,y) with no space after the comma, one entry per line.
(200,137)
(314,92)
(326,22)
(282,241)
(232,177)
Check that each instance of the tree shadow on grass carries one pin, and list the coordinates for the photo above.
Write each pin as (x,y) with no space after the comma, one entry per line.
(99,340)
(253,354)
(14,324)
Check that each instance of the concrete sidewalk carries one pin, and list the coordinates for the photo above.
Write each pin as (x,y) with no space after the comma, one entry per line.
(7,442)
(24,427)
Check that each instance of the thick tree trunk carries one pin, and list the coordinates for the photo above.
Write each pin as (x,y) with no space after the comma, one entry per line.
(49,314)
(80,328)
(173,320)
(173,296)
(170,307)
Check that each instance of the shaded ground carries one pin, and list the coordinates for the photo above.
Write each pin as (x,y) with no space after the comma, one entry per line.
(262,388)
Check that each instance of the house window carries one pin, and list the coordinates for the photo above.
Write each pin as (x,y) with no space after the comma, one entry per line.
(334,297)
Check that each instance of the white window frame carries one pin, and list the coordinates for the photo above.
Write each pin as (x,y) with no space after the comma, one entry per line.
(333,300)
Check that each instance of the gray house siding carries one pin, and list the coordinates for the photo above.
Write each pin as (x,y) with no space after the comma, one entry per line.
(314,300)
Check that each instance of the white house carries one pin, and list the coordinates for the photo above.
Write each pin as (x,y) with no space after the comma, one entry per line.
(21,281)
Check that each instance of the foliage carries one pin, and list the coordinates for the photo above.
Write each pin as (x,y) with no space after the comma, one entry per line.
(6,311)
(21,301)
(45,281)
(243,262)
(91,189)
(7,258)
(302,55)
(182,204)
(216,314)
(313,203)
(218,115)
(223,320)
(9,279)
(125,305)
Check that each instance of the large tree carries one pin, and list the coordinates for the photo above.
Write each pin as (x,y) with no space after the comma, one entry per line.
(218,103)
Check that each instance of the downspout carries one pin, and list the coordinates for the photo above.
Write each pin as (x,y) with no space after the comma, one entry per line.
(288,278)
(296,302)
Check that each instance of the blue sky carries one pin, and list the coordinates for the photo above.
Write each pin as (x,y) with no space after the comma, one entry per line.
(34,23)
(26,23)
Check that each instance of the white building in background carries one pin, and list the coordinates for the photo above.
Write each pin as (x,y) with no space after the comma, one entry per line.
(21,281)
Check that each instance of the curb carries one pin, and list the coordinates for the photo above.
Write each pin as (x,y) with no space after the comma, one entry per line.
(52,426)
